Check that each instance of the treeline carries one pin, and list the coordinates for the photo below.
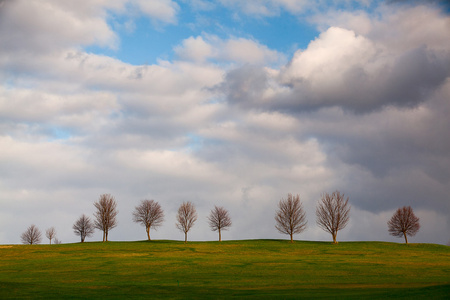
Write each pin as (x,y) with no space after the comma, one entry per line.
(332,215)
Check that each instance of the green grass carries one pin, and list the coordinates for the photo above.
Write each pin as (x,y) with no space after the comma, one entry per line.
(252,269)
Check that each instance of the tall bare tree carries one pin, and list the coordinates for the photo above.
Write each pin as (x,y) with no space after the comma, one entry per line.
(404,222)
(83,227)
(150,214)
(186,217)
(290,217)
(50,234)
(333,213)
(219,220)
(31,236)
(106,214)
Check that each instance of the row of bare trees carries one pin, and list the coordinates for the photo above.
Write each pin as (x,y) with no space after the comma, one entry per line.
(149,214)
(34,236)
(332,213)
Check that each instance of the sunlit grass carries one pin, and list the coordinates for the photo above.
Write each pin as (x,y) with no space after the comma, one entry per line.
(255,268)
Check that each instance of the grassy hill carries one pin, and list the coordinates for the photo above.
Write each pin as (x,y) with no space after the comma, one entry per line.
(253,269)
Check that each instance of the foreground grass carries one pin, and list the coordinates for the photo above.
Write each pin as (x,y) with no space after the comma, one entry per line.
(253,269)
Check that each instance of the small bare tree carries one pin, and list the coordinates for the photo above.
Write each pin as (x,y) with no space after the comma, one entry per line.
(50,234)
(333,213)
(83,227)
(150,214)
(219,220)
(106,214)
(290,218)
(404,222)
(186,217)
(31,236)
(57,242)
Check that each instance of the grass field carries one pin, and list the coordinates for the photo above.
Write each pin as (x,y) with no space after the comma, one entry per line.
(251,269)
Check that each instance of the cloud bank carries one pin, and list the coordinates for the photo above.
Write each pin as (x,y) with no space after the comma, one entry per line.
(229,121)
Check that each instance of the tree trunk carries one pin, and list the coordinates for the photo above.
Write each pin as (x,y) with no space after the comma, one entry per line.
(185,237)
(292,238)
(148,233)
(406,239)
(334,238)
(220,236)
(82,239)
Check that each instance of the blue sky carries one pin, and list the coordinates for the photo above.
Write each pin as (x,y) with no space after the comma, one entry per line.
(143,41)
(225,102)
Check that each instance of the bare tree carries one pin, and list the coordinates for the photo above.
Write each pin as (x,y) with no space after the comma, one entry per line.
(219,220)
(31,236)
(105,216)
(186,217)
(50,234)
(57,242)
(333,213)
(83,227)
(290,218)
(150,214)
(404,222)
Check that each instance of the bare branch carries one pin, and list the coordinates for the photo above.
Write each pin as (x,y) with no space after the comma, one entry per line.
(31,236)
(50,233)
(83,227)
(106,214)
(404,222)
(149,214)
(186,217)
(290,218)
(219,220)
(333,213)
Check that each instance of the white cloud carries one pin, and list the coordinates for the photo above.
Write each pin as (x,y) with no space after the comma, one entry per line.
(398,28)
(403,29)
(234,50)
(195,49)
(46,26)
(162,10)
(34,26)
(35,106)
(328,58)
(247,51)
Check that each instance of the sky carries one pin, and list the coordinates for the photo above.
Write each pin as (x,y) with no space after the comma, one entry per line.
(224,102)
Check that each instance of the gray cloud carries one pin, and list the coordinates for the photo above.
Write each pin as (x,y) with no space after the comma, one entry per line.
(370,84)
(244,86)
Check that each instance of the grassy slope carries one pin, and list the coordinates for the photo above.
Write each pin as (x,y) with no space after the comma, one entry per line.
(254,268)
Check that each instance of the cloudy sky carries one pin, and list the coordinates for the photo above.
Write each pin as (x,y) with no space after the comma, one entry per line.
(224,102)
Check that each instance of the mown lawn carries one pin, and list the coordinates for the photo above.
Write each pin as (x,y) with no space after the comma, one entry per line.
(252,269)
